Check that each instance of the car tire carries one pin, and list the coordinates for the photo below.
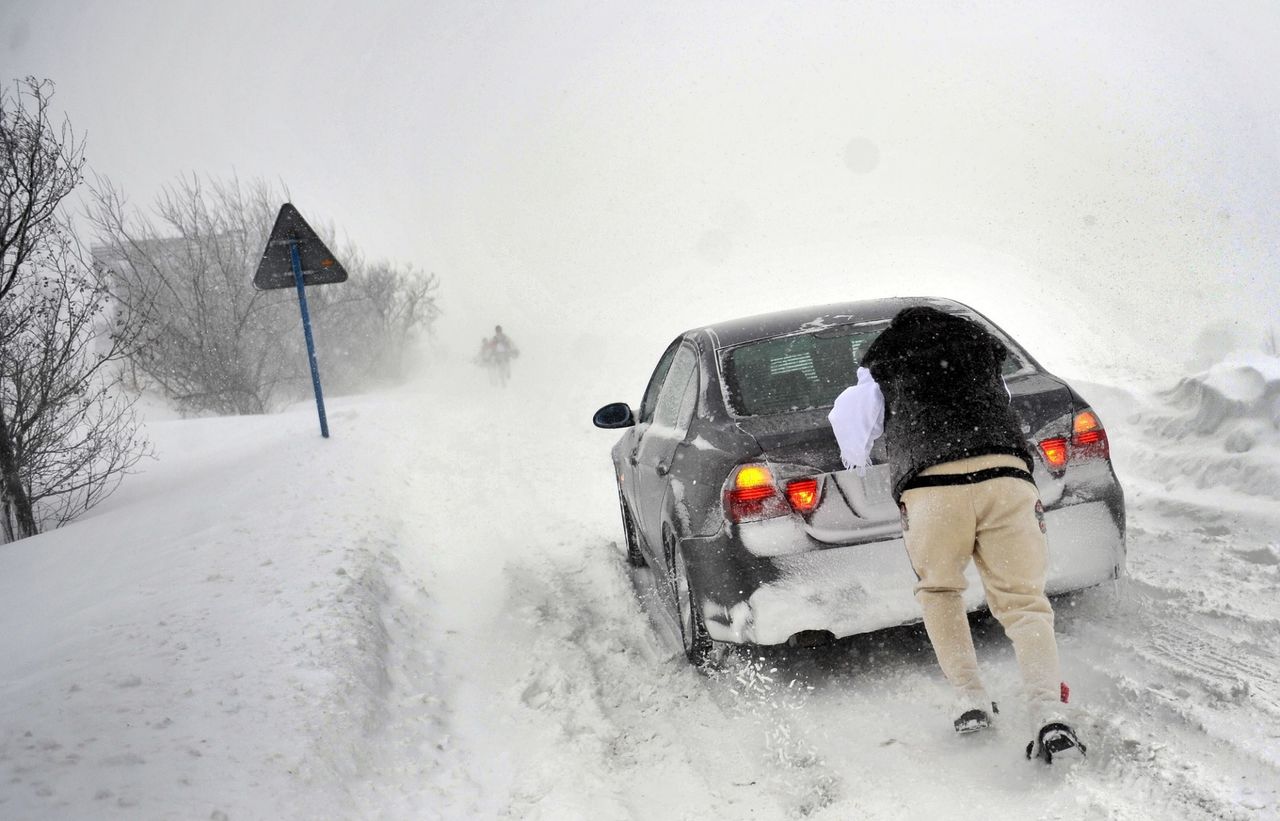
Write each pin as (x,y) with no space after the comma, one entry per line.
(634,557)
(699,648)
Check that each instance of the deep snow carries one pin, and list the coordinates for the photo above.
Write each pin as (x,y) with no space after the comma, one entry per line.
(428,616)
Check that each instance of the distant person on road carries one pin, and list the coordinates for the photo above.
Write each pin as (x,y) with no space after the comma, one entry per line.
(961,474)
(502,344)
(496,353)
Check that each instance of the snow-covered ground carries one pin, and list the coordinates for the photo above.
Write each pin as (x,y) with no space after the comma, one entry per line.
(427,616)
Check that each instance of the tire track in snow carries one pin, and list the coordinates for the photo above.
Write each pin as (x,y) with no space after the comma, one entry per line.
(1236,673)
(577,708)
(623,696)
(750,688)
(1168,726)
(1206,605)
(630,730)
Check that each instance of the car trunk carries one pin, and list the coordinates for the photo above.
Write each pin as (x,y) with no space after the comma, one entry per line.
(858,506)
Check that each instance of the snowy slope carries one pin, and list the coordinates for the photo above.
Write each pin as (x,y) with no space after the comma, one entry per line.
(207,641)
(428,617)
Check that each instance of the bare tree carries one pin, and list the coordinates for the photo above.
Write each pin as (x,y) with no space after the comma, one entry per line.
(40,164)
(215,344)
(370,326)
(67,425)
(67,434)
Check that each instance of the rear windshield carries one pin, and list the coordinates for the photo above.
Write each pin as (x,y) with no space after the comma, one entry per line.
(808,371)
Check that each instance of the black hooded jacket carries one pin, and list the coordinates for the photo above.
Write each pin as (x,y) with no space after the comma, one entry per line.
(944,397)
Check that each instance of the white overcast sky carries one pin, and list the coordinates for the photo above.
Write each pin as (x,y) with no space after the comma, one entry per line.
(1103,183)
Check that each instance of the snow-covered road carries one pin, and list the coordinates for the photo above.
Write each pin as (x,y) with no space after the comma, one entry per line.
(576,704)
(429,617)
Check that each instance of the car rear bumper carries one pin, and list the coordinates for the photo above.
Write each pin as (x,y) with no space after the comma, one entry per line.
(867,587)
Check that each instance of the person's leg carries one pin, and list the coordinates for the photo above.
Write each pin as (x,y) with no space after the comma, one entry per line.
(938,528)
(1012,558)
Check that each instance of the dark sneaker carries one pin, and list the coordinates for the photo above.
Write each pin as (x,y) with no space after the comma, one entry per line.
(1055,739)
(971,721)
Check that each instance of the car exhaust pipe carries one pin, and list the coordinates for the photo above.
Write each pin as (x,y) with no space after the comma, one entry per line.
(811,638)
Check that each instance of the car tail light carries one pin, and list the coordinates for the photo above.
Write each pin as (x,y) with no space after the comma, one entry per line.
(1055,453)
(803,495)
(1088,441)
(752,495)
(1088,438)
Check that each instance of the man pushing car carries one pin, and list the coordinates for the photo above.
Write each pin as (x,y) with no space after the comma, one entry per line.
(931,384)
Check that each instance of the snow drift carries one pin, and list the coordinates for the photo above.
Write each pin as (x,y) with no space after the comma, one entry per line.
(1244,388)
(1218,428)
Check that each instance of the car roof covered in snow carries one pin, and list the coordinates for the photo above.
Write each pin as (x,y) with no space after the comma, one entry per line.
(796,320)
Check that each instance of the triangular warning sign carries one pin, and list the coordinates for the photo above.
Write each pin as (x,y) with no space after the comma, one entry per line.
(319,266)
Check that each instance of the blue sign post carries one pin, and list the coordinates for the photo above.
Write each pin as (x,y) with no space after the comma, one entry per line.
(295,257)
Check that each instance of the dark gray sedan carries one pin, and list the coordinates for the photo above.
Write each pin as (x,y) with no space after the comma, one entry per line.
(733,492)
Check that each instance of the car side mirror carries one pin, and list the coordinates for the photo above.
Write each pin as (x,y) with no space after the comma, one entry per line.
(614,415)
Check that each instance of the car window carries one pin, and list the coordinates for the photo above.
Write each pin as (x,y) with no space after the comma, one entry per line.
(690,403)
(655,382)
(671,399)
(808,371)
(1014,364)
(797,372)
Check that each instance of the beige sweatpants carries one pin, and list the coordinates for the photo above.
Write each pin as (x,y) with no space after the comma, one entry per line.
(998,525)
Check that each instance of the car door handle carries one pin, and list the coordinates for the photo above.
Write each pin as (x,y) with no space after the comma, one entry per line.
(663,468)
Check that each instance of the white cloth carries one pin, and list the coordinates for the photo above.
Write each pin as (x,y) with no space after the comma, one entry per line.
(857,419)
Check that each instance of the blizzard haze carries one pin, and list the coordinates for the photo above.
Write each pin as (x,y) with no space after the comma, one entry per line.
(430,615)
(1099,182)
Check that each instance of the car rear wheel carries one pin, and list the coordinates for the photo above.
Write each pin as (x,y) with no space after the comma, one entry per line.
(634,557)
(699,648)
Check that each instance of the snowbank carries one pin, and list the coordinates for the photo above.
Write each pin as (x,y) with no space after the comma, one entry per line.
(1243,387)
(1218,429)
(209,641)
